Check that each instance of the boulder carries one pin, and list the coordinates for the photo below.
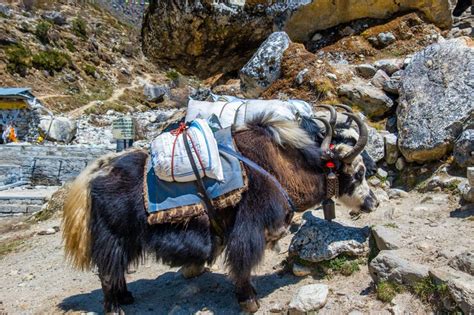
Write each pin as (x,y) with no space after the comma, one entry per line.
(318,240)
(386,237)
(464,148)
(386,38)
(318,15)
(156,93)
(54,17)
(366,71)
(460,286)
(436,97)
(309,298)
(375,145)
(264,67)
(390,265)
(59,129)
(389,66)
(391,148)
(373,101)
(463,262)
(379,79)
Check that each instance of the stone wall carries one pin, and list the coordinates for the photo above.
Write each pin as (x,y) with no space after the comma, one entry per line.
(48,164)
(26,123)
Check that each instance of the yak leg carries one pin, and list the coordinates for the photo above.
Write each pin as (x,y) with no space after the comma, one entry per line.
(246,295)
(111,290)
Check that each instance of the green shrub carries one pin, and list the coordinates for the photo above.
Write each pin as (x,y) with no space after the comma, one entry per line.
(90,70)
(427,290)
(42,30)
(70,45)
(173,75)
(19,59)
(51,60)
(387,290)
(79,27)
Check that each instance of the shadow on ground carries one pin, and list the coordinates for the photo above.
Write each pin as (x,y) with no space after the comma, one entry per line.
(171,293)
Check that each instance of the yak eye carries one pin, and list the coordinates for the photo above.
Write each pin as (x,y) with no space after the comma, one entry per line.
(359,175)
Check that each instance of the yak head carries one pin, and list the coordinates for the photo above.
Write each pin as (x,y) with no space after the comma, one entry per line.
(354,191)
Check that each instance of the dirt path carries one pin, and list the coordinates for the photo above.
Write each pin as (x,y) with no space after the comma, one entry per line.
(116,94)
(36,280)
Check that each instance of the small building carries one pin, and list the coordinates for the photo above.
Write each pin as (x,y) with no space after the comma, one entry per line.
(18,106)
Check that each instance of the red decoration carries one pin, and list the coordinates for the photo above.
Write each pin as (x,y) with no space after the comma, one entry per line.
(330,164)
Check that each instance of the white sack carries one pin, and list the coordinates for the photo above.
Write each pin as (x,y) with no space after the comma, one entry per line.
(238,111)
(206,145)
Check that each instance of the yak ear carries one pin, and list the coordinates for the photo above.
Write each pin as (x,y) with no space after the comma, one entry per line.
(313,155)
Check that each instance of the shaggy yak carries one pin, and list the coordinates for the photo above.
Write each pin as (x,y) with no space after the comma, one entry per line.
(105,221)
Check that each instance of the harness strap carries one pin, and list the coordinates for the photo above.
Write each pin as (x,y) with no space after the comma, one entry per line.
(259,169)
(202,193)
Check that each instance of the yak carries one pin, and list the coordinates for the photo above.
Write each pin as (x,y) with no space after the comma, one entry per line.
(105,220)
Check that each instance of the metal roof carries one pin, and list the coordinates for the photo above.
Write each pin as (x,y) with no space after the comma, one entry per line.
(12,92)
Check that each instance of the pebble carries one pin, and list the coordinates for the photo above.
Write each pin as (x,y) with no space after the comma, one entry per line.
(49,231)
(300,270)
(381,173)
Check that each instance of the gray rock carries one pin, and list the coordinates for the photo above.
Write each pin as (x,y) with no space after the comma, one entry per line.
(54,17)
(5,10)
(386,38)
(300,270)
(436,97)
(395,193)
(300,76)
(392,266)
(309,298)
(265,65)
(373,101)
(318,240)
(400,164)
(460,286)
(375,145)
(463,262)
(391,86)
(381,173)
(156,93)
(374,181)
(379,79)
(366,71)
(464,148)
(386,238)
(390,66)
(391,148)
(470,175)
(59,129)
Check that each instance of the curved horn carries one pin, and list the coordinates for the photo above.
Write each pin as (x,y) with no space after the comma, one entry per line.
(327,139)
(363,137)
(332,111)
(347,109)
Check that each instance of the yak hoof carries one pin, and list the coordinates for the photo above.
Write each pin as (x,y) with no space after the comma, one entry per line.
(116,311)
(250,306)
(193,271)
(126,298)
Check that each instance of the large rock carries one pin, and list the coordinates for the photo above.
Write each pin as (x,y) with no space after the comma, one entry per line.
(463,262)
(375,145)
(59,129)
(54,17)
(156,93)
(309,298)
(386,237)
(322,14)
(264,67)
(390,265)
(464,149)
(460,286)
(391,148)
(373,101)
(318,240)
(436,99)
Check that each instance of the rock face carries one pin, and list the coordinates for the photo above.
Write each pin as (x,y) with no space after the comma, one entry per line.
(309,298)
(264,67)
(436,97)
(320,15)
(373,101)
(390,265)
(464,149)
(59,129)
(319,240)
(203,38)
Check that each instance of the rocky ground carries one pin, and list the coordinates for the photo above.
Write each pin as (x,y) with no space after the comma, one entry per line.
(430,228)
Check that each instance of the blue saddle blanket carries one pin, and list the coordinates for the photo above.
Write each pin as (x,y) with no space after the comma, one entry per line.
(163,195)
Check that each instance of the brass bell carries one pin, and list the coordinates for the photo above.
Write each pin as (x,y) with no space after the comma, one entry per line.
(329,210)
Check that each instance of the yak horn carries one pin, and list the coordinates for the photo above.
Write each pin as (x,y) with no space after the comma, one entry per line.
(347,109)
(361,142)
(332,111)
(327,139)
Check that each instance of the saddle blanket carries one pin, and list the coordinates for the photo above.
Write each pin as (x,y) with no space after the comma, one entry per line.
(174,202)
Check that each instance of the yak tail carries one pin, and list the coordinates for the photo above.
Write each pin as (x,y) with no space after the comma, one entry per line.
(76,223)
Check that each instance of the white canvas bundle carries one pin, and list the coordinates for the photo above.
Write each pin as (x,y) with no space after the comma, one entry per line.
(205,144)
(237,111)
